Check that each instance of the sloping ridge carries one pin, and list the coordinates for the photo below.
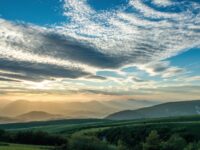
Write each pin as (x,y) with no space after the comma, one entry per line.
(183,108)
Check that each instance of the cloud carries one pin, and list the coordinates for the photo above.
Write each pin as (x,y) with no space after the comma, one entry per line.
(162,3)
(7,79)
(96,40)
(186,89)
(193,78)
(38,71)
(173,71)
(136,79)
(96,77)
(133,35)
(161,68)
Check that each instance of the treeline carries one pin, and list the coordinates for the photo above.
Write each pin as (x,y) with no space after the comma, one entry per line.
(143,137)
(152,137)
(31,137)
(58,142)
(175,142)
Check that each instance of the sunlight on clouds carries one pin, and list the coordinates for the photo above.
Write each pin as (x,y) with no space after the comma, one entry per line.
(25,50)
(44,85)
(68,57)
(161,68)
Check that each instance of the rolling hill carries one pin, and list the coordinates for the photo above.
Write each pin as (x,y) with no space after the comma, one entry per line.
(183,108)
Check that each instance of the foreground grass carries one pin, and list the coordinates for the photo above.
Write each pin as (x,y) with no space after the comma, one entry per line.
(8,146)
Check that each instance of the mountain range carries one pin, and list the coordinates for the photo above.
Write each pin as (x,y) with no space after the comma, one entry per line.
(23,110)
(38,116)
(170,109)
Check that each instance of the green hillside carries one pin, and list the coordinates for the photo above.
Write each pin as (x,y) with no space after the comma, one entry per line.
(171,109)
(101,134)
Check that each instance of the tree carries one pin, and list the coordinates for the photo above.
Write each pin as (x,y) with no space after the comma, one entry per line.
(80,142)
(121,145)
(152,141)
(175,142)
(193,146)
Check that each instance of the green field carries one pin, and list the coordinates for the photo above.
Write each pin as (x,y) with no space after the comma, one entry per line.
(106,134)
(73,125)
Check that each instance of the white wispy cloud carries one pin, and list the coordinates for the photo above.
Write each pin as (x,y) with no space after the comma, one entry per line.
(163,3)
(131,35)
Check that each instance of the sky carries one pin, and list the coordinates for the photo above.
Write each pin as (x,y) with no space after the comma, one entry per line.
(81,50)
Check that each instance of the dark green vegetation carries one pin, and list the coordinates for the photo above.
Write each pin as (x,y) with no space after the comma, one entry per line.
(168,136)
(173,133)
(184,108)
(31,137)
(6,146)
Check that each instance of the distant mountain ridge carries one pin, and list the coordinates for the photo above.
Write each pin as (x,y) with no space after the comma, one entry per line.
(30,116)
(38,116)
(68,108)
(91,109)
(170,109)
(3,103)
(8,120)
